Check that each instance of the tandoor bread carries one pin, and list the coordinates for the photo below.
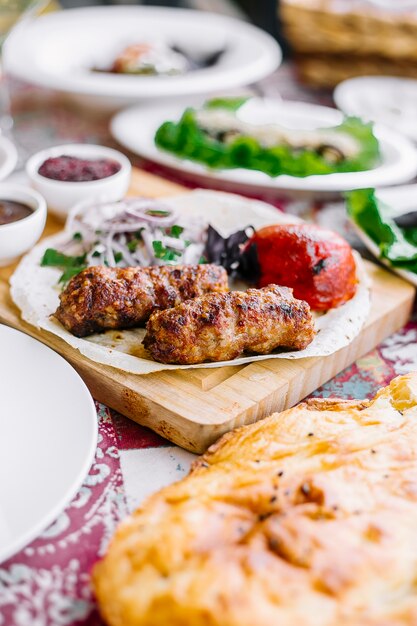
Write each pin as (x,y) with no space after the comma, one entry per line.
(337,39)
(306,518)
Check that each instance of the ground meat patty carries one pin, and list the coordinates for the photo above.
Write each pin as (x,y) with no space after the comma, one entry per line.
(101,298)
(223,326)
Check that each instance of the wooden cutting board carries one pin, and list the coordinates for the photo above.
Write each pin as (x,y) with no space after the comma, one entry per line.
(192,408)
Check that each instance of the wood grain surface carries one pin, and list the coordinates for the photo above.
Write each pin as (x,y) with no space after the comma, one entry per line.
(192,408)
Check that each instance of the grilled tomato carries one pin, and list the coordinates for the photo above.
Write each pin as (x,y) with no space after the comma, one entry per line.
(317,263)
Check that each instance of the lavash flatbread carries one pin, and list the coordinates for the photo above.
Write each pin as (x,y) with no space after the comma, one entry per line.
(35,291)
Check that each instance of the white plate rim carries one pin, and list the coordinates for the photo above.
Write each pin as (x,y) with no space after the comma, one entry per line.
(10,157)
(401,171)
(198,81)
(91,414)
(346,92)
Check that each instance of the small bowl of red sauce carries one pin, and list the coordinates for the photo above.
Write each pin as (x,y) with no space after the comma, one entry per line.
(68,174)
(22,220)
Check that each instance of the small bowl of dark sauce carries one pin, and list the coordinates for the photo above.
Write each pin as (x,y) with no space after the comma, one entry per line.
(22,220)
(68,174)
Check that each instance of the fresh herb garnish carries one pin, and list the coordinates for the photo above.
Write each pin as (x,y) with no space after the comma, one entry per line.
(69,273)
(176,231)
(72,265)
(157,213)
(163,253)
(118,256)
(54,258)
(77,237)
(132,245)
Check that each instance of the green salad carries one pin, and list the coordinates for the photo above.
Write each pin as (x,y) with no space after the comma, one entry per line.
(396,238)
(218,137)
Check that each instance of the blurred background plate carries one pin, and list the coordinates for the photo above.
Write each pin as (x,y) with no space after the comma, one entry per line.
(384,99)
(135,129)
(8,157)
(48,426)
(59,50)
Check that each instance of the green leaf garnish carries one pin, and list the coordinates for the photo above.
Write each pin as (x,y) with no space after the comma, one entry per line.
(157,213)
(231,104)
(163,253)
(132,245)
(54,258)
(176,231)
(69,273)
(118,256)
(72,265)
(77,237)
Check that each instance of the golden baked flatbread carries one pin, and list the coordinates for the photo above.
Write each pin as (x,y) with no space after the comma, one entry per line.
(307,518)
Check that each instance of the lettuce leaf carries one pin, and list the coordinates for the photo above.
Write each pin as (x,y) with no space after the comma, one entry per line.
(187,140)
(373,217)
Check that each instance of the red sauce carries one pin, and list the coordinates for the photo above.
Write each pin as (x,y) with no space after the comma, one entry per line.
(72,169)
(11,211)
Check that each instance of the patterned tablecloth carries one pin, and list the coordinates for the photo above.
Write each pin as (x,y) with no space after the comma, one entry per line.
(47,583)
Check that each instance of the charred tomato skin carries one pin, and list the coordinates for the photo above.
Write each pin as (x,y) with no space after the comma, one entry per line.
(317,263)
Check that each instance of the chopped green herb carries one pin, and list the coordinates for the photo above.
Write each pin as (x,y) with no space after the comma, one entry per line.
(158,248)
(132,245)
(69,273)
(157,213)
(71,264)
(96,253)
(176,231)
(165,254)
(202,260)
(77,237)
(54,258)
(118,256)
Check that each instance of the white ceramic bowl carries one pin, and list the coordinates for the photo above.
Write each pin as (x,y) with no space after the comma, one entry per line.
(61,196)
(18,237)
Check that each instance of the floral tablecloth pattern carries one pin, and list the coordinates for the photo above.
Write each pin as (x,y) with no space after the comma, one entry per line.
(47,583)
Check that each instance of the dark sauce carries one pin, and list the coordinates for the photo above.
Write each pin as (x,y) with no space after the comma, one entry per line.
(11,211)
(72,169)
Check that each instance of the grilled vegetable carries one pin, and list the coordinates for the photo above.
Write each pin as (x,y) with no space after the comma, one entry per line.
(315,262)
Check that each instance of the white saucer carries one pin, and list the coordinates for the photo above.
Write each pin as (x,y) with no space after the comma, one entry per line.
(387,100)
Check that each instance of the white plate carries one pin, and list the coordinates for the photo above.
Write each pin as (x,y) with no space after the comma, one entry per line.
(58,50)
(135,129)
(401,201)
(48,426)
(384,99)
(8,157)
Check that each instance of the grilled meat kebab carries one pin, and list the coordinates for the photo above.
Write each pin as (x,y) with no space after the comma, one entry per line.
(223,326)
(101,298)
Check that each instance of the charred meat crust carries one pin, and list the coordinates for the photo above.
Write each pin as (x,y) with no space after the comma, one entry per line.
(223,326)
(101,298)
